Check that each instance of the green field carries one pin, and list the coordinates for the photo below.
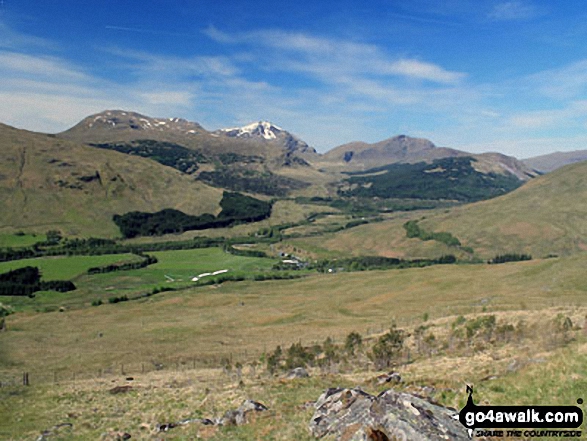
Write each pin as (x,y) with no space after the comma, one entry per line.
(193,262)
(66,268)
(179,267)
(8,240)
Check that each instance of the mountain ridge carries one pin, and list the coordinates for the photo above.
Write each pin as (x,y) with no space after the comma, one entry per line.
(553,161)
(276,144)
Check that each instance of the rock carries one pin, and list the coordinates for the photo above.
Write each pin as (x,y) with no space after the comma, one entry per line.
(238,417)
(56,430)
(120,389)
(354,415)
(392,377)
(298,372)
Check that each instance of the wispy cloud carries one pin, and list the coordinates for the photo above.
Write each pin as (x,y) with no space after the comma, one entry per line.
(566,82)
(325,89)
(146,31)
(10,39)
(514,11)
(325,56)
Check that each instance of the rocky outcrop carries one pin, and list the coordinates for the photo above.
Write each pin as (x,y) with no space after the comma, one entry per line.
(354,415)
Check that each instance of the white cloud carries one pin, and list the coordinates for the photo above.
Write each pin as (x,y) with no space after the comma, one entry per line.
(425,71)
(323,57)
(48,67)
(569,81)
(514,11)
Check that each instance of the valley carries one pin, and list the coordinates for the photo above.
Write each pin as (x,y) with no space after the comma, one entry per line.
(208,265)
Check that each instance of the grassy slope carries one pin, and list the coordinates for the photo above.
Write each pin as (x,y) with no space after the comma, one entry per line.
(32,166)
(544,216)
(250,316)
(540,375)
(387,238)
(547,215)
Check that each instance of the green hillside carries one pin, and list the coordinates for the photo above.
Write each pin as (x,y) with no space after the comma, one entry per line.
(447,178)
(546,216)
(48,183)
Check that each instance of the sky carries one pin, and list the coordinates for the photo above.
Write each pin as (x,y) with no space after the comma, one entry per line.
(479,75)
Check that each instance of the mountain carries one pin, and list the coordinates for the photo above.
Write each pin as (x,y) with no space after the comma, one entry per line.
(553,161)
(51,183)
(259,158)
(397,149)
(404,149)
(259,139)
(264,130)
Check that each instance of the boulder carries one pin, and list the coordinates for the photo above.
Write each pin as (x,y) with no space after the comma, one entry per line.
(235,417)
(298,372)
(239,416)
(354,415)
(391,377)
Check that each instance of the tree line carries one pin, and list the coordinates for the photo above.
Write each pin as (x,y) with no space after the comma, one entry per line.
(236,208)
(26,281)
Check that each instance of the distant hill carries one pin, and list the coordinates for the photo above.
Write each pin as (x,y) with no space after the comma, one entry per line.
(397,149)
(553,161)
(451,179)
(545,216)
(51,183)
(404,149)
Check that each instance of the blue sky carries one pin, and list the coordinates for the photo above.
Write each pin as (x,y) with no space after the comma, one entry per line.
(483,75)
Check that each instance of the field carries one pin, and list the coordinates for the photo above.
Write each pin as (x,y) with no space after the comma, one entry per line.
(179,267)
(66,268)
(8,240)
(243,319)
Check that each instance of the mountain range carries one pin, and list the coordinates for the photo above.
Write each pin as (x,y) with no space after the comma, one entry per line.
(118,161)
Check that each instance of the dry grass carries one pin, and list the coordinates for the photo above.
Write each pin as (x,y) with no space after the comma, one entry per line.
(205,324)
(528,371)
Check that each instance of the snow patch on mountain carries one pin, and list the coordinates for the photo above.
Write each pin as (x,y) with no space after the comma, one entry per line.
(263,129)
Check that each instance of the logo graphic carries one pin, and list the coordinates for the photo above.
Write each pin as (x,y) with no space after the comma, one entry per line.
(476,418)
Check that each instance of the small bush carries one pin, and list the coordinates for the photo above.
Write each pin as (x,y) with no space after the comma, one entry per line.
(113,300)
(387,348)
(353,342)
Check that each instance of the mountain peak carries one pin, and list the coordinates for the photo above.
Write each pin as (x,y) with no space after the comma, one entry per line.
(263,129)
(124,120)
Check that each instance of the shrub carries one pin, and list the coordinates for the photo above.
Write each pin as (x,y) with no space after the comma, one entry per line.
(387,348)
(353,342)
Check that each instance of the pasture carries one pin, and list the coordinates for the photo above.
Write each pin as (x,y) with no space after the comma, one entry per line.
(242,319)
(18,240)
